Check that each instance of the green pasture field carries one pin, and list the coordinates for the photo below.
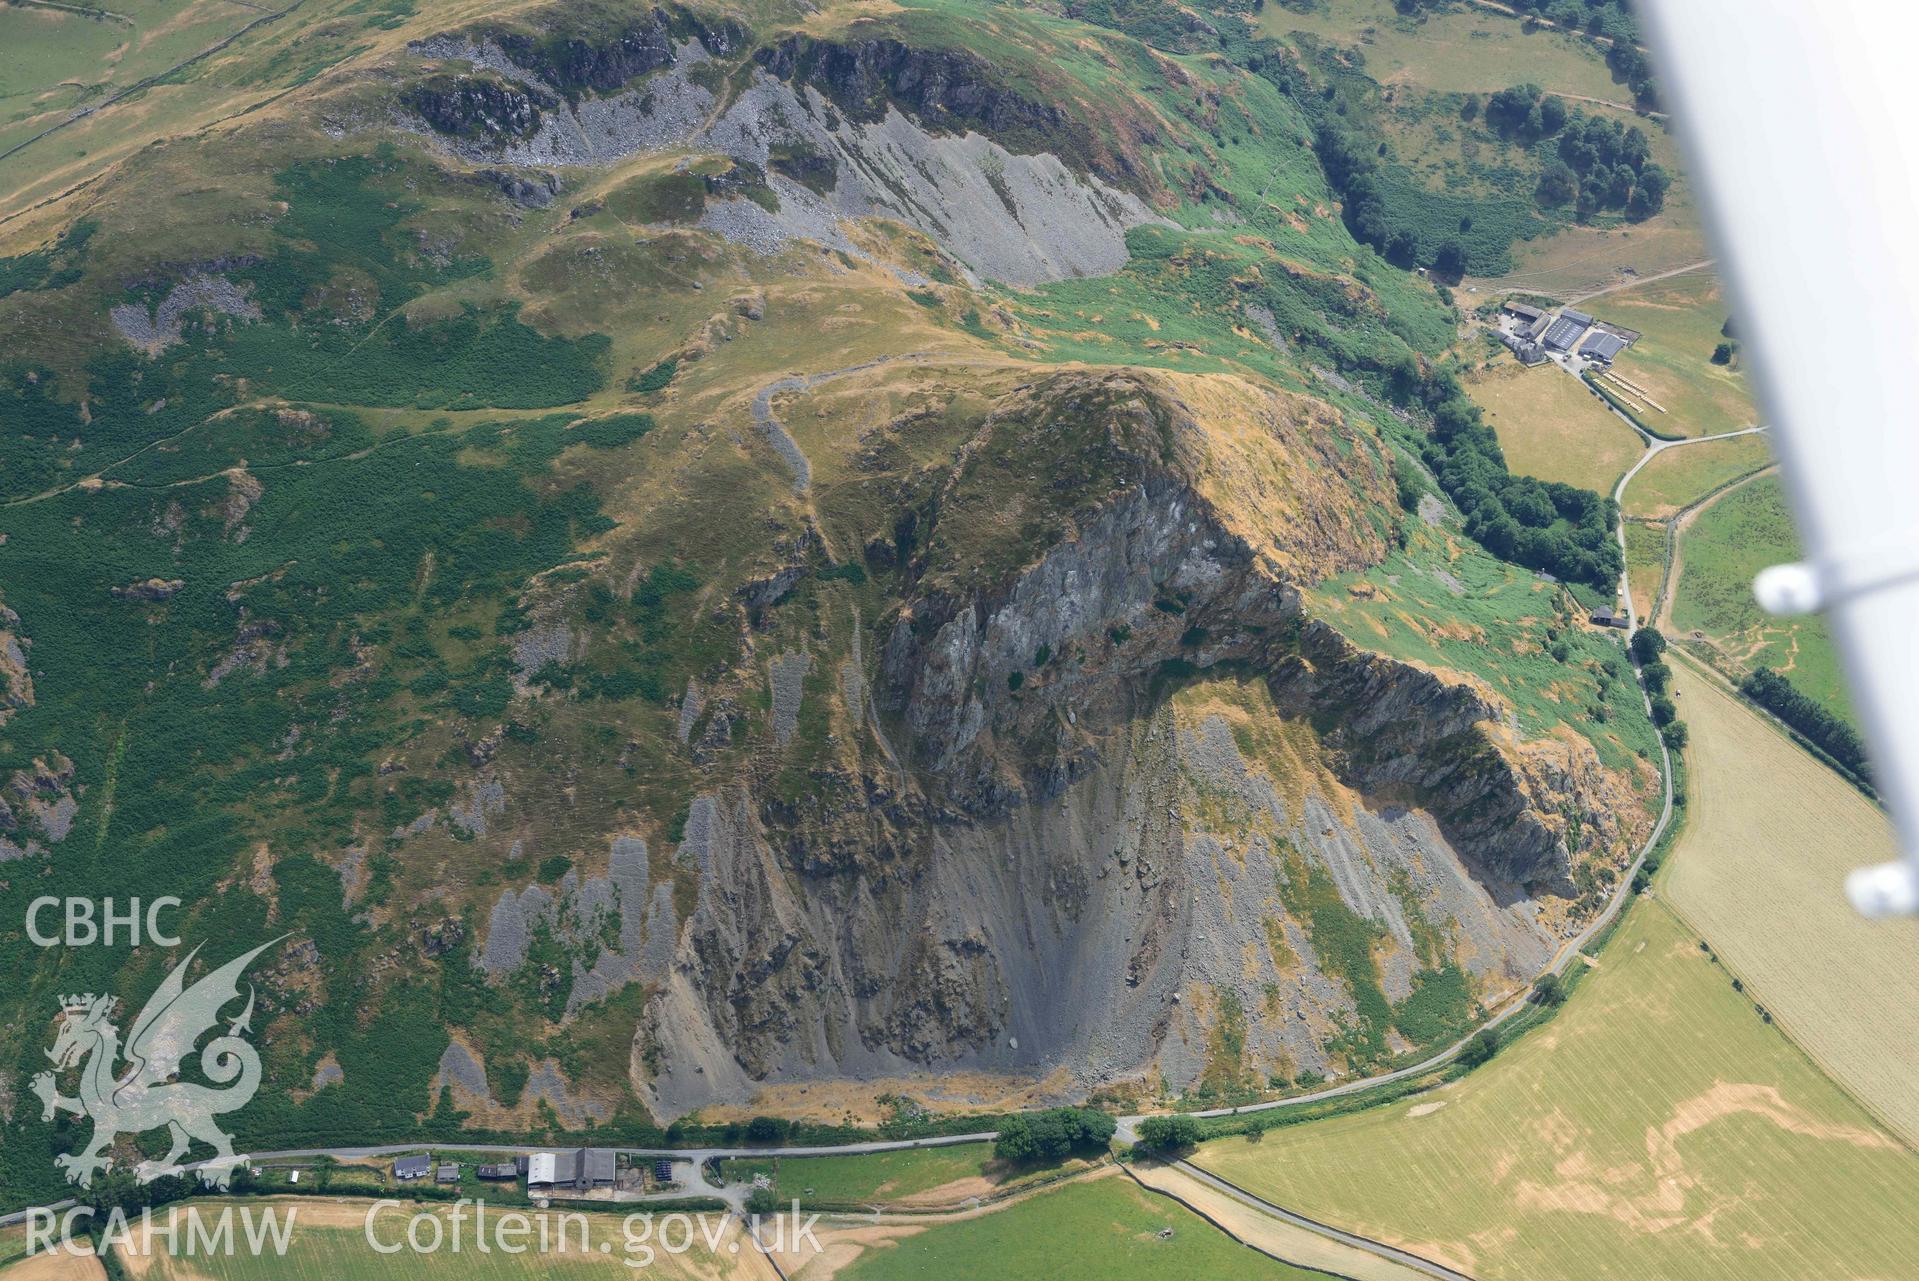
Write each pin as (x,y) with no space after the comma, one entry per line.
(50,68)
(1645,563)
(1720,551)
(1459,51)
(53,60)
(1677,478)
(1105,1229)
(875,1177)
(1657,1127)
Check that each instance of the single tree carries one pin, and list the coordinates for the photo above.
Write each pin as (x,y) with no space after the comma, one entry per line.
(1647,645)
(1402,247)
(1558,185)
(1481,1048)
(1552,116)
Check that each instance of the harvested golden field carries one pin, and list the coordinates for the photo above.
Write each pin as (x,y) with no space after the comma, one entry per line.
(1657,1128)
(58,1266)
(1551,427)
(54,1266)
(1685,474)
(1770,836)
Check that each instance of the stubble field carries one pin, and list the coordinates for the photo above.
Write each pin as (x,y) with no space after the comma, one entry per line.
(1770,837)
(1657,1128)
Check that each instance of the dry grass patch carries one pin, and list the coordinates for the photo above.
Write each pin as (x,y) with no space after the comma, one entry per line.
(1679,320)
(1552,427)
(1577,260)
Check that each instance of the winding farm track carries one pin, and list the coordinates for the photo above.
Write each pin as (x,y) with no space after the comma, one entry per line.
(1636,281)
(1676,526)
(1654,448)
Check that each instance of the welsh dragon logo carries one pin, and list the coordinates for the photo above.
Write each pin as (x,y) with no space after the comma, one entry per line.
(142,1095)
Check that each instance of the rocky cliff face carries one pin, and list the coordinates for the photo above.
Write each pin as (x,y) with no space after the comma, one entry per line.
(479,106)
(995,717)
(948,91)
(1018,189)
(1130,792)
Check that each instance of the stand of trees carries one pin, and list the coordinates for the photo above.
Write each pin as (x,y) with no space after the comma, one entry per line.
(1542,525)
(1821,728)
(1350,165)
(1632,66)
(1052,1135)
(1525,113)
(1598,163)
(1613,168)
(1165,1134)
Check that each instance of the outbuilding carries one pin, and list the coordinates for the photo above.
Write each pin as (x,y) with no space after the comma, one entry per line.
(580,1170)
(1566,330)
(1602,346)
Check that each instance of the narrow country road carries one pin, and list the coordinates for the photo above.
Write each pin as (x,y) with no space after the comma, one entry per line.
(697,1185)
(1654,448)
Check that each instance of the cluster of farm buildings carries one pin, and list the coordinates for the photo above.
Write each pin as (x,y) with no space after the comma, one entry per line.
(1536,335)
(1582,345)
(575,1172)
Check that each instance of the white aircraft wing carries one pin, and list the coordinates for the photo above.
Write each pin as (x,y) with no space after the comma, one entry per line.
(1801,119)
